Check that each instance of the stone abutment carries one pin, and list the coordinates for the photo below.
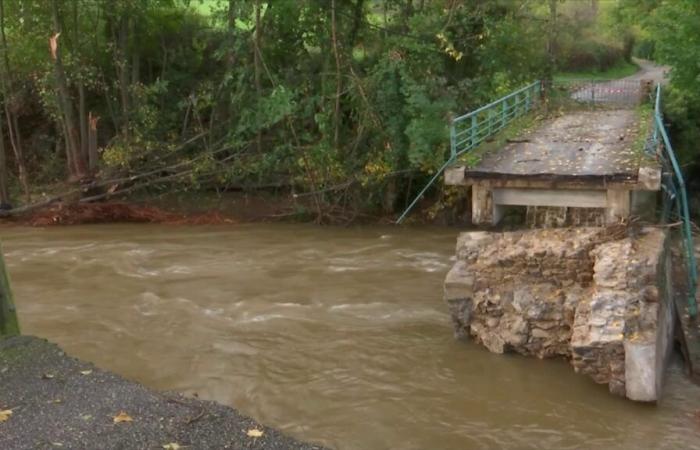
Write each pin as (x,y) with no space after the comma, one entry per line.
(593,296)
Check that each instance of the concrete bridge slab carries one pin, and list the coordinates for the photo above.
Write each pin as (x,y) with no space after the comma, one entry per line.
(584,159)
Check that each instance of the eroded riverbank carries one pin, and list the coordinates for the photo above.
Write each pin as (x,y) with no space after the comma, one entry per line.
(337,336)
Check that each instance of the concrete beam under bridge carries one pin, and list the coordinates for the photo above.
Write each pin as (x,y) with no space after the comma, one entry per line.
(489,205)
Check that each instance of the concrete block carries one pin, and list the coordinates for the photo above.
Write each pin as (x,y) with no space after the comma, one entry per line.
(649,178)
(481,205)
(459,283)
(454,176)
(618,205)
(550,197)
(640,370)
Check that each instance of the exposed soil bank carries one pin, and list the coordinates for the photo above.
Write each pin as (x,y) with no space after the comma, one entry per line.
(194,208)
(61,402)
(115,212)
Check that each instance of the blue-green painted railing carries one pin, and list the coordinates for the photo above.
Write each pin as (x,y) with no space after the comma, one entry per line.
(674,188)
(473,128)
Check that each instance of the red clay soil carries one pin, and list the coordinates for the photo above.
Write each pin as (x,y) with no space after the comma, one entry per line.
(115,212)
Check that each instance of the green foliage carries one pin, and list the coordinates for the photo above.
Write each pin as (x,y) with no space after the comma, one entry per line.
(621,70)
(670,30)
(590,38)
(200,86)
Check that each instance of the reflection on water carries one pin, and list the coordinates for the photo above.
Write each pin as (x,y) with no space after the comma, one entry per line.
(337,336)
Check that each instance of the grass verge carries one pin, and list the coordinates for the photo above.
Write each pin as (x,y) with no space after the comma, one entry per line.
(621,70)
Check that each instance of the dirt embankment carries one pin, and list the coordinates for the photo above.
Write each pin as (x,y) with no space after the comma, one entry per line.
(115,212)
(176,209)
(194,210)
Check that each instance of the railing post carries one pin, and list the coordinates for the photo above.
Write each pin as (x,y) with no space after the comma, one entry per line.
(527,100)
(473,133)
(657,111)
(453,139)
(504,112)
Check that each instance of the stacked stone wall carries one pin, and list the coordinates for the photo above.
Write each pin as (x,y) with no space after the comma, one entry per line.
(577,293)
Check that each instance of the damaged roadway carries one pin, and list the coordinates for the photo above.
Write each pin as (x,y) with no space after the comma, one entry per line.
(58,401)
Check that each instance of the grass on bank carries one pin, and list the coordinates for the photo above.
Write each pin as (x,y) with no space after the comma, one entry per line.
(620,70)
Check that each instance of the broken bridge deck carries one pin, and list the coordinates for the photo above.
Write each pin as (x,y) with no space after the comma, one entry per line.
(591,159)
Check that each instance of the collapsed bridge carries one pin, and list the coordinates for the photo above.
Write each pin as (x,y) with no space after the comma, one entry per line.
(599,289)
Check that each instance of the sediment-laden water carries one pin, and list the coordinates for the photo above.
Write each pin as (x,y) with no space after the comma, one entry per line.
(337,336)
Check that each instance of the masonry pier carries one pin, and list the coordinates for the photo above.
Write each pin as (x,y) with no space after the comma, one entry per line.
(567,293)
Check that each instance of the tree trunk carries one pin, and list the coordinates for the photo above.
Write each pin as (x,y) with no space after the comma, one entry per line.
(78,168)
(10,117)
(4,195)
(356,23)
(551,43)
(82,119)
(338,82)
(258,85)
(122,62)
(92,143)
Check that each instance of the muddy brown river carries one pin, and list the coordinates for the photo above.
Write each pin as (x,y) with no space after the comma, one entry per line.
(336,336)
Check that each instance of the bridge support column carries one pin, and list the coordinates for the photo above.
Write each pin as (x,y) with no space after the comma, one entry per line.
(618,205)
(482,209)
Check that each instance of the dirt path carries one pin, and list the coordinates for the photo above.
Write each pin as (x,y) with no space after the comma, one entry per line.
(57,401)
(649,71)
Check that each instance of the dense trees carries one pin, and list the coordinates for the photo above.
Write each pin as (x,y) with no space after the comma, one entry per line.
(345,101)
(669,32)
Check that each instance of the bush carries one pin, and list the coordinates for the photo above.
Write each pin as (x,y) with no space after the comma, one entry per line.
(591,55)
(644,49)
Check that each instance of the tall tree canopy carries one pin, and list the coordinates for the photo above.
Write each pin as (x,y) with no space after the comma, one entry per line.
(348,101)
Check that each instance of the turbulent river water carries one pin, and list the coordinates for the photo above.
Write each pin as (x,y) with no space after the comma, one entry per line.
(336,336)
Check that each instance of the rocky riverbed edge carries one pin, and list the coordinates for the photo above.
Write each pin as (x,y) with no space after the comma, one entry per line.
(50,400)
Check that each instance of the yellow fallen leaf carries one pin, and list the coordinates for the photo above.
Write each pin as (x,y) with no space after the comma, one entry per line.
(4,415)
(86,372)
(173,446)
(122,417)
(254,433)
(47,376)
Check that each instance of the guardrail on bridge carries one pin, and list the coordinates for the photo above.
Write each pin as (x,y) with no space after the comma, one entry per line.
(471,129)
(675,196)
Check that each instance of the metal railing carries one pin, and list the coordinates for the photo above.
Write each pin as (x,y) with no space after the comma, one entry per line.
(675,197)
(598,93)
(471,129)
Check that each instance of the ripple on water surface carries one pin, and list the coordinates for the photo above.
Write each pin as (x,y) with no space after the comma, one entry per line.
(338,336)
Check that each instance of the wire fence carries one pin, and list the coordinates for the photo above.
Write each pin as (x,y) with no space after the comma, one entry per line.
(597,93)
